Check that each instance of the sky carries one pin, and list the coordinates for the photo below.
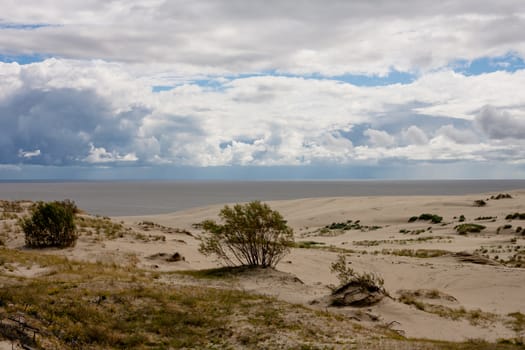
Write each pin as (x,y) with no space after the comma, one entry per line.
(276,89)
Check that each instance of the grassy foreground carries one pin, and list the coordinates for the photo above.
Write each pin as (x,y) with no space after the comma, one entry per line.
(78,305)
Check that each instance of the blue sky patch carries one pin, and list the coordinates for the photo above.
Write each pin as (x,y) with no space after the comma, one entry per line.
(507,63)
(393,77)
(213,84)
(159,88)
(24,26)
(22,59)
(210,84)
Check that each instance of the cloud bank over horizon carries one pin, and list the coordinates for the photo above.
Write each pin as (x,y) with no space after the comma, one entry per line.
(235,83)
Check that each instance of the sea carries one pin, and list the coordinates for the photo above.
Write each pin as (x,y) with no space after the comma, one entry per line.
(128,198)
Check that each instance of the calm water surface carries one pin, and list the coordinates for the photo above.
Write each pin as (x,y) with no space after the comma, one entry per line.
(141,198)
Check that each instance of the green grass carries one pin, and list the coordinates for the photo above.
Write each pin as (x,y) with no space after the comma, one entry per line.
(416,253)
(370,243)
(138,315)
(100,226)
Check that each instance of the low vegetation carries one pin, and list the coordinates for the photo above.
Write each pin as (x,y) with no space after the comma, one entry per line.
(100,226)
(515,216)
(480,203)
(517,322)
(11,209)
(350,225)
(98,306)
(501,196)
(370,243)
(484,218)
(463,229)
(435,219)
(412,232)
(416,253)
(150,225)
(511,255)
(475,317)
(308,244)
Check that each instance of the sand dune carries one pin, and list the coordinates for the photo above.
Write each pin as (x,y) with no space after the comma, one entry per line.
(494,289)
(471,300)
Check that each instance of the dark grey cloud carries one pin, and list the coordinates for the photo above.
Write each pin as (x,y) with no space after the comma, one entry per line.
(500,124)
(58,126)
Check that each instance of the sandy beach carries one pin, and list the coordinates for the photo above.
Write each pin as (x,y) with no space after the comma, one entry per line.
(441,284)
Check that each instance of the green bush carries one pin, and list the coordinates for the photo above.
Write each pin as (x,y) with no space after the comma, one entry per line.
(51,224)
(480,203)
(463,229)
(435,219)
(413,219)
(251,234)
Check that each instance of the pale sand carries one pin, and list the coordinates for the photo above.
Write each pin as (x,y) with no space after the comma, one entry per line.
(495,289)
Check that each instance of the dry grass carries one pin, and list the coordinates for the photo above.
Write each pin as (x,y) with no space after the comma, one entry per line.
(104,306)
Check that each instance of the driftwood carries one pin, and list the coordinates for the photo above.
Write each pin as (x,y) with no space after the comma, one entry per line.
(16,328)
(357,295)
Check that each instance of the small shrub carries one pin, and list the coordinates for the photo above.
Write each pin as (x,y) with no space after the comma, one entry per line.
(461,218)
(435,219)
(412,219)
(480,203)
(515,216)
(501,196)
(479,218)
(349,225)
(463,229)
(251,234)
(51,225)
(347,275)
(308,244)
